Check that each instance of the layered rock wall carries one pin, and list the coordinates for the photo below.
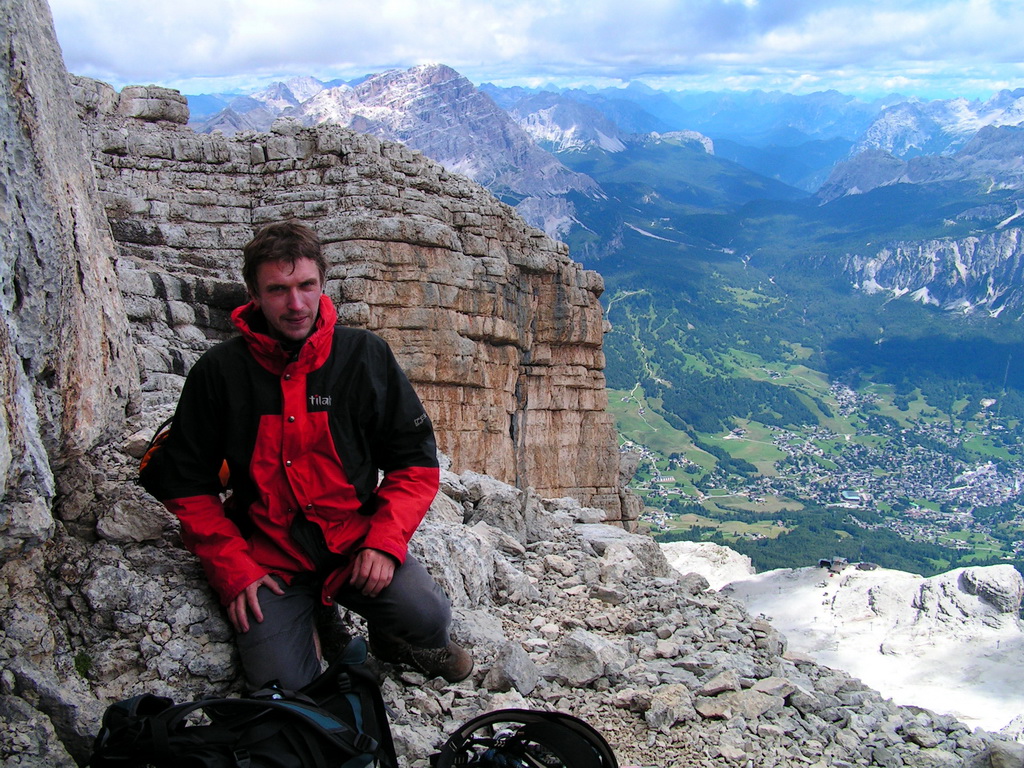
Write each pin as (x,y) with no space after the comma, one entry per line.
(498,329)
(68,378)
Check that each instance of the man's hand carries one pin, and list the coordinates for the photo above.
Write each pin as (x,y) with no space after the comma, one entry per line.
(372,571)
(246,600)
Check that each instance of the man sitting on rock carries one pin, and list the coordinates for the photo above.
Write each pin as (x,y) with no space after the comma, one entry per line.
(304,416)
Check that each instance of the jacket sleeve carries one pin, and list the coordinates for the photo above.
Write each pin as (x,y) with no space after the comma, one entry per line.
(406,451)
(216,541)
(191,486)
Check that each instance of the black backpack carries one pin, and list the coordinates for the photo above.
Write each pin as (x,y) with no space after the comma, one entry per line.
(337,721)
(149,465)
(525,738)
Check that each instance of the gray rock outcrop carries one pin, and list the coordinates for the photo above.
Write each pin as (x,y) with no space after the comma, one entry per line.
(66,370)
(971,274)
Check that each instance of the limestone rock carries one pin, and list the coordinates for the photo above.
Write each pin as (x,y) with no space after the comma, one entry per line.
(152,104)
(583,657)
(462,561)
(669,705)
(66,370)
(1000,586)
(512,668)
(625,555)
(1004,754)
(724,681)
(27,736)
(496,504)
(127,522)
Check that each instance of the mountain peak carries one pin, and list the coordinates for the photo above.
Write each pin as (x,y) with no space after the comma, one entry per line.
(304,88)
(435,73)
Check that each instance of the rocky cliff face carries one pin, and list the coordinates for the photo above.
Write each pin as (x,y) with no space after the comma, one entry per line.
(498,329)
(565,125)
(977,273)
(437,111)
(67,374)
(973,274)
(66,369)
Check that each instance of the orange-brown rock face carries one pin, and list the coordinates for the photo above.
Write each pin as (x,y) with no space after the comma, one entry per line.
(497,327)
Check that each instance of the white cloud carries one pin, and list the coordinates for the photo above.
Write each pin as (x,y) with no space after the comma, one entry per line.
(761,42)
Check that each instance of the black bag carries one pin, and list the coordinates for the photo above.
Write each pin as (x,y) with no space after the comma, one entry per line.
(337,721)
(149,472)
(149,465)
(525,738)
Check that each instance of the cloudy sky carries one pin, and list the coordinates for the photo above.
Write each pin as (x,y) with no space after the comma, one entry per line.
(929,48)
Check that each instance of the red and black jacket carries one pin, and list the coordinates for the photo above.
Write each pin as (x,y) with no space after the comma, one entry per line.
(304,432)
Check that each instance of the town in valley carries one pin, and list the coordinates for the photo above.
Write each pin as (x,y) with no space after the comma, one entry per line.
(929,479)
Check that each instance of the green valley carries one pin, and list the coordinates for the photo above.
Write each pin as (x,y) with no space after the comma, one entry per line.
(794,419)
(789,455)
(808,376)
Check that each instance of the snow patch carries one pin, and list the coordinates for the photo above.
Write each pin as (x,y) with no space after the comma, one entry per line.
(719,565)
(645,233)
(923,296)
(1006,221)
(870,286)
(951,643)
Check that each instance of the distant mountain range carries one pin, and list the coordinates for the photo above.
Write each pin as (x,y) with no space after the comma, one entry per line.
(912,128)
(575,119)
(633,175)
(436,110)
(993,154)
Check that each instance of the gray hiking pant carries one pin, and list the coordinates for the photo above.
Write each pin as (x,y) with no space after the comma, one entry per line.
(281,647)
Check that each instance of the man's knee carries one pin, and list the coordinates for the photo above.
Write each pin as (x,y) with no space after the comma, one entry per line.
(418,595)
(281,647)
(413,607)
(430,610)
(287,657)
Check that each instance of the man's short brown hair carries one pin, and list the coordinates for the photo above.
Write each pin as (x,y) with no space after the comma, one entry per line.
(286,241)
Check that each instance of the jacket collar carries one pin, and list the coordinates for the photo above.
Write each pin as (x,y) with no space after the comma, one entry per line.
(271,354)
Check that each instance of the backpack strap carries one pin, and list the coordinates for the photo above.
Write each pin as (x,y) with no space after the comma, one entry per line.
(341,676)
(123,727)
(149,474)
(571,748)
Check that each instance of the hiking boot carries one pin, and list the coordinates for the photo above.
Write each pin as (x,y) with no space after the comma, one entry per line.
(452,662)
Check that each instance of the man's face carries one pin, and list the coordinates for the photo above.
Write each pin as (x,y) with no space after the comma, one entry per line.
(289,297)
